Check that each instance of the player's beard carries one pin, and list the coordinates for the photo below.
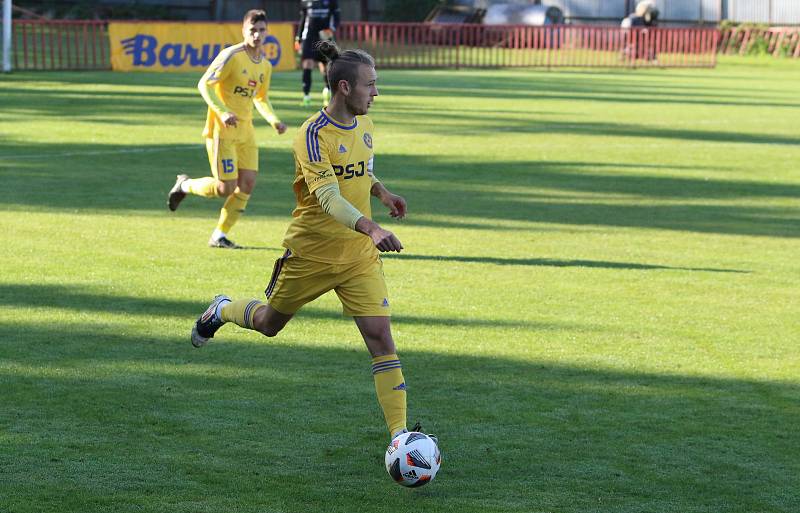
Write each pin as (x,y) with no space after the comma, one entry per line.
(356,108)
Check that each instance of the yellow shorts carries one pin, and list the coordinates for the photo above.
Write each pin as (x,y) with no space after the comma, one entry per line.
(361,286)
(226,156)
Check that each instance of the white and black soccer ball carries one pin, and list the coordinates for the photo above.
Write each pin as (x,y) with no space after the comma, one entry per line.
(413,459)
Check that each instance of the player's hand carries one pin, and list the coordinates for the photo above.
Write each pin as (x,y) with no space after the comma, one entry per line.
(297,46)
(396,205)
(280,128)
(229,119)
(385,240)
(326,34)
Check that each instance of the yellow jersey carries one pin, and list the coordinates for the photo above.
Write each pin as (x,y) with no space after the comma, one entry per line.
(326,151)
(237,81)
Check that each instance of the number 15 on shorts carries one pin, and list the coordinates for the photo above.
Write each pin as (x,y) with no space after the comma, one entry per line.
(227,165)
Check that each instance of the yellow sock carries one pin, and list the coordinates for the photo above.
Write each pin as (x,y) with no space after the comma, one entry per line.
(391,389)
(232,210)
(241,312)
(205,187)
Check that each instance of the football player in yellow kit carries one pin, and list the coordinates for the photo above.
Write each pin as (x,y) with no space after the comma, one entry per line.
(331,242)
(238,78)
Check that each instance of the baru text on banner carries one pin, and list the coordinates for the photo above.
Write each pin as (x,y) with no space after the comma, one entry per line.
(189,46)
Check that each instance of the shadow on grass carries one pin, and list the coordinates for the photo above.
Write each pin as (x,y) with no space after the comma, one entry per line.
(669,87)
(462,192)
(481,124)
(443,194)
(551,262)
(90,300)
(98,414)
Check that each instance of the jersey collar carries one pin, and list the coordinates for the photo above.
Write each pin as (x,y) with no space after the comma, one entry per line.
(337,125)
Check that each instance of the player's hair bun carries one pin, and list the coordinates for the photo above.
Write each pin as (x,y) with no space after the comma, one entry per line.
(328,50)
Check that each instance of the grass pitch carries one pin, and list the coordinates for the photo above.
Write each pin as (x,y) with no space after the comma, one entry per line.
(597,309)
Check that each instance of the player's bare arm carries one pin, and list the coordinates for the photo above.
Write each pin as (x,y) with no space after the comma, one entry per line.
(395,203)
(384,239)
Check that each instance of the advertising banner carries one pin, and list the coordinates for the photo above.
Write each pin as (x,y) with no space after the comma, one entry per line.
(189,46)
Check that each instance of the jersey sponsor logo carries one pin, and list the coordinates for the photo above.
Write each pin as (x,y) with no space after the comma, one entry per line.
(243,91)
(320,176)
(368,140)
(147,52)
(349,171)
(342,149)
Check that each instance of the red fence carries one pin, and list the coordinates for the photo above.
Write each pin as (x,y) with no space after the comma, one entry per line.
(60,45)
(424,45)
(74,45)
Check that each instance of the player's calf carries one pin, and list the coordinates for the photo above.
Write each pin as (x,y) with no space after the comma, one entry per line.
(269,322)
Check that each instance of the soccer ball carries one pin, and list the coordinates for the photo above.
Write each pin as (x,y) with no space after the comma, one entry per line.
(413,459)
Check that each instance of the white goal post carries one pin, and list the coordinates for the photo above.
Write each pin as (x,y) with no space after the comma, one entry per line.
(6,36)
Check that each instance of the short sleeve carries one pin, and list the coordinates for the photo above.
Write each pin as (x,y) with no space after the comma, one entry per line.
(313,155)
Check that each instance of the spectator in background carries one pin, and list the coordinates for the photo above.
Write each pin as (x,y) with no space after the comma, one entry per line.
(639,45)
(645,15)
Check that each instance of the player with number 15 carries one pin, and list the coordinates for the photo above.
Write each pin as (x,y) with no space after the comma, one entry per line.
(238,78)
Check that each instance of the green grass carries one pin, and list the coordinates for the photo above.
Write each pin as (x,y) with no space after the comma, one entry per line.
(597,308)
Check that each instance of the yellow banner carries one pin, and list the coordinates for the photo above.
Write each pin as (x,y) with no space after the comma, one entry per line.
(189,46)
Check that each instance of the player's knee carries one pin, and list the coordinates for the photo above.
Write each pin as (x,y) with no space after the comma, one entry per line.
(247,185)
(381,342)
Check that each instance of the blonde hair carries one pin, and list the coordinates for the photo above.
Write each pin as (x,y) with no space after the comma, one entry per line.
(342,65)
